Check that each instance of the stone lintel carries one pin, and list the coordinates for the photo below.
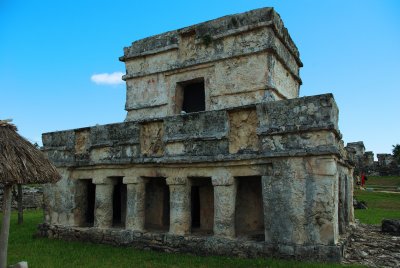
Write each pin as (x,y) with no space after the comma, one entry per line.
(133,180)
(222,180)
(176,180)
(105,180)
(323,166)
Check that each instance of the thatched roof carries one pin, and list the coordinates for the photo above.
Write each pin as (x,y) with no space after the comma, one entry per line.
(20,161)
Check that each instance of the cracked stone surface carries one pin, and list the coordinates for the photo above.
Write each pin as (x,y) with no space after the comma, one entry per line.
(367,245)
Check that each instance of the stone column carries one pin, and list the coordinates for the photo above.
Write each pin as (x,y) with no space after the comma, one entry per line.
(180,216)
(225,188)
(135,208)
(103,210)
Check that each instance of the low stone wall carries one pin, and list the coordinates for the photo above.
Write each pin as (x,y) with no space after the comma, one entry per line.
(198,245)
(32,198)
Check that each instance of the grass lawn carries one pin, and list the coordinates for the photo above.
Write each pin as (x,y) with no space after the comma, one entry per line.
(383,183)
(43,252)
(380,206)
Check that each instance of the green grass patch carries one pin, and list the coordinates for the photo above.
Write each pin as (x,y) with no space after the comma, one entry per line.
(383,181)
(43,252)
(380,206)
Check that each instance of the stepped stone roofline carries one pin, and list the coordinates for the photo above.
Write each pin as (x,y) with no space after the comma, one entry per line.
(215,29)
(356,144)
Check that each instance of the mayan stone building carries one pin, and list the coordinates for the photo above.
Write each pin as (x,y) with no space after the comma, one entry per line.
(217,155)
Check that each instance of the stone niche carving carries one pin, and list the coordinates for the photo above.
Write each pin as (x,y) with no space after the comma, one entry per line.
(151,143)
(217,155)
(242,135)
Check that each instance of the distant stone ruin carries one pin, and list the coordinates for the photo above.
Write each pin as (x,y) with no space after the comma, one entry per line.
(32,198)
(365,163)
(217,155)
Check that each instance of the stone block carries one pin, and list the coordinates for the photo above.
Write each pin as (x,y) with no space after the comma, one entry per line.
(175,148)
(204,125)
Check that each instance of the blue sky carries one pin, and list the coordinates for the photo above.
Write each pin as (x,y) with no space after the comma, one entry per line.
(49,50)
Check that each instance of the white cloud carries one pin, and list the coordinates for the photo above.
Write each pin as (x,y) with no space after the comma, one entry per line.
(108,79)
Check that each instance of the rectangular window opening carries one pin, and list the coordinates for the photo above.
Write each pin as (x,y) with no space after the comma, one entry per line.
(191,96)
(249,216)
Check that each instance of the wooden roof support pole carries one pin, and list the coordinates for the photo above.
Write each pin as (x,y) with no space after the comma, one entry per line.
(5,227)
(20,205)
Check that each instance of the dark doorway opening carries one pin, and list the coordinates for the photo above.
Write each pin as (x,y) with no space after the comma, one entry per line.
(119,203)
(193,94)
(202,205)
(195,196)
(90,190)
(157,205)
(249,216)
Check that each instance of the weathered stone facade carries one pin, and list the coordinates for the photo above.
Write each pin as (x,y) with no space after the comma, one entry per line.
(364,161)
(251,171)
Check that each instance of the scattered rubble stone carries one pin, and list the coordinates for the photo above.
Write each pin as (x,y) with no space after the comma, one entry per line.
(367,245)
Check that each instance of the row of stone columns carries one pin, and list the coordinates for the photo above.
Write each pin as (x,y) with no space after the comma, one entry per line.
(180,207)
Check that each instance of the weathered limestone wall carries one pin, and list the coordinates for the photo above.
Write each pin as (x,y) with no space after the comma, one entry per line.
(359,148)
(59,200)
(301,126)
(222,52)
(305,193)
(300,197)
(385,159)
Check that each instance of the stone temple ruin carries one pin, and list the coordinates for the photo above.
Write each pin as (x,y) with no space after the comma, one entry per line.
(217,155)
(364,161)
